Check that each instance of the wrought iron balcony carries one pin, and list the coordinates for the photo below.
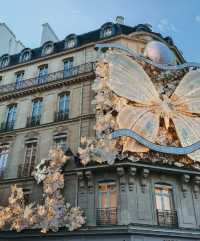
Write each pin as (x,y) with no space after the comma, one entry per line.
(7,126)
(61,116)
(41,80)
(167,218)
(25,170)
(1,173)
(33,121)
(106,216)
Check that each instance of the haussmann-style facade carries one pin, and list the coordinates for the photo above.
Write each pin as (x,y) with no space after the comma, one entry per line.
(45,101)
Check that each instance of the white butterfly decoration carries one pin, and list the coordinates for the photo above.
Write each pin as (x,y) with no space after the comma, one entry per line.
(127,79)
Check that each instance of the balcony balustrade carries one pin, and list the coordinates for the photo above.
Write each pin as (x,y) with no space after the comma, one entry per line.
(61,116)
(7,126)
(167,218)
(25,170)
(33,121)
(55,76)
(106,216)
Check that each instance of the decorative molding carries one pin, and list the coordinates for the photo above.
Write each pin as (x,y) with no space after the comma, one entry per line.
(196,185)
(155,147)
(122,179)
(81,180)
(144,177)
(90,183)
(131,178)
(185,180)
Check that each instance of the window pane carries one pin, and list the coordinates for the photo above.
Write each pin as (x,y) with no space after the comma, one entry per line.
(164,198)
(11,113)
(107,195)
(37,106)
(64,103)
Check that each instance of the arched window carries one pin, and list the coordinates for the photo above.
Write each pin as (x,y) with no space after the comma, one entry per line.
(5,59)
(71,41)
(48,48)
(164,201)
(25,55)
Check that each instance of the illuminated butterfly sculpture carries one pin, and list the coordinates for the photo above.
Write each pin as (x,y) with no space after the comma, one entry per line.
(140,118)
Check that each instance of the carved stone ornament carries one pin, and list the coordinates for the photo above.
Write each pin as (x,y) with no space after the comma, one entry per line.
(131,179)
(144,179)
(185,180)
(89,177)
(122,179)
(196,186)
(81,179)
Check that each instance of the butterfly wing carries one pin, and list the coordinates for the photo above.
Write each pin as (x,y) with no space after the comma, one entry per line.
(188,131)
(128,79)
(186,102)
(186,97)
(141,120)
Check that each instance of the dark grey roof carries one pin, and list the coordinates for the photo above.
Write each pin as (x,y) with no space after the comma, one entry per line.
(86,38)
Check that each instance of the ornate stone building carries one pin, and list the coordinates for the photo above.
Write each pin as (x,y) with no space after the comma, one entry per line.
(45,101)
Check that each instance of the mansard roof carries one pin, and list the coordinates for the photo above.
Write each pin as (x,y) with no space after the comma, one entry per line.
(86,38)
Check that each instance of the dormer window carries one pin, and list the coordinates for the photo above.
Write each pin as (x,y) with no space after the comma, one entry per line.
(107,32)
(25,55)
(5,59)
(71,41)
(47,48)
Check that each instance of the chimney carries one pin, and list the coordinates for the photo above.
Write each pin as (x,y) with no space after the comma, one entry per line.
(119,20)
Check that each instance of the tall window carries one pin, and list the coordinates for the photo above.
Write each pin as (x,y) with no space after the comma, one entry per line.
(30,157)
(4,149)
(34,120)
(107,203)
(166,213)
(36,108)
(63,108)
(19,79)
(43,73)
(11,116)
(64,103)
(68,65)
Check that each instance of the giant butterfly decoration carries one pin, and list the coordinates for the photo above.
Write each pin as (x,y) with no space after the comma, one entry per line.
(140,119)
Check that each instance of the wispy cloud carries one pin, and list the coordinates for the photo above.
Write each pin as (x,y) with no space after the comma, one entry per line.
(197,18)
(166,27)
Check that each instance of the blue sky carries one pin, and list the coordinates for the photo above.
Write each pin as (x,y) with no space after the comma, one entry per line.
(178,18)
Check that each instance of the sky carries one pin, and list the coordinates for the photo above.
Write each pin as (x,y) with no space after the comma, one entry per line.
(179,19)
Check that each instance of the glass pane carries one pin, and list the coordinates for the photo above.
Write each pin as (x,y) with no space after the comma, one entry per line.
(108,195)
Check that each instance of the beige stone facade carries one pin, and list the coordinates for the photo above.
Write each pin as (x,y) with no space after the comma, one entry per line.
(81,113)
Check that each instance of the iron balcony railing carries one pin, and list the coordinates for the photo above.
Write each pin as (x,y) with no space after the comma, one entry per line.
(61,116)
(106,216)
(33,121)
(167,218)
(1,173)
(25,170)
(40,80)
(7,126)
